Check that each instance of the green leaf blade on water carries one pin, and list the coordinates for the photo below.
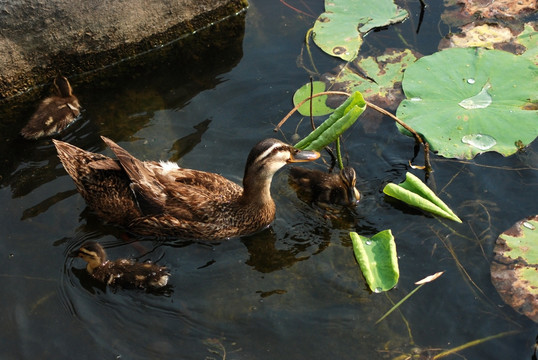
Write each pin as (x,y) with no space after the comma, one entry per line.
(339,121)
(377,259)
(414,184)
(415,193)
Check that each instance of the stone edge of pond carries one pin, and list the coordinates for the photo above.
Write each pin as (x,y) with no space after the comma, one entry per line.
(39,69)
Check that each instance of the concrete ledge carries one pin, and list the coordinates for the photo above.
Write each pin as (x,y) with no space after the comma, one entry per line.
(42,37)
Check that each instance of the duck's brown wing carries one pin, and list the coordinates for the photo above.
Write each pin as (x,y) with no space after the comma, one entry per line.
(149,192)
(189,195)
(198,195)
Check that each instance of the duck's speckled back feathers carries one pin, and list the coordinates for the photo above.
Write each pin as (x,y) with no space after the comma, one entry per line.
(161,199)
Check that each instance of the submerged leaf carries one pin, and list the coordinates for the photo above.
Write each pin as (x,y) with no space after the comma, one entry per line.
(339,30)
(339,121)
(415,193)
(456,95)
(377,259)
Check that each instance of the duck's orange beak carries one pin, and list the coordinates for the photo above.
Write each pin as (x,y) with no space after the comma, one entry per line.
(304,156)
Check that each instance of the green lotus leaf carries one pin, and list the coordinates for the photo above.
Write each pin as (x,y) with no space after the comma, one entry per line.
(468,101)
(339,30)
(377,259)
(514,270)
(319,106)
(339,121)
(529,39)
(415,193)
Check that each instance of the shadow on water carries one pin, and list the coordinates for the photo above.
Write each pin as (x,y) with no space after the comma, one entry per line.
(130,94)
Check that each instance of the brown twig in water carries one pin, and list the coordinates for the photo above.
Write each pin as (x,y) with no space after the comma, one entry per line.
(297,10)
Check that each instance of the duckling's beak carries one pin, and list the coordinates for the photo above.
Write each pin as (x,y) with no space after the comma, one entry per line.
(354,196)
(304,156)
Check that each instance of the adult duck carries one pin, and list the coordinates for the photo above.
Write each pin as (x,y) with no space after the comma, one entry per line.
(161,199)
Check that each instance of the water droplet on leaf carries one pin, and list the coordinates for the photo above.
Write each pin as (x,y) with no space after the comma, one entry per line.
(479,141)
(479,101)
(470,81)
(528,225)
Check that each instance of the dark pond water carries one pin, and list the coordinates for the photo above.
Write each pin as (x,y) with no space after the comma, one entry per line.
(293,291)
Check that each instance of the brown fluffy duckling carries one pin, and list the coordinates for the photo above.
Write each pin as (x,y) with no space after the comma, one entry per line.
(324,188)
(54,113)
(160,199)
(122,272)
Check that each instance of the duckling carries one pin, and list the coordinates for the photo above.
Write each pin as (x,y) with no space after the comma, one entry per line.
(323,188)
(122,272)
(54,113)
(161,199)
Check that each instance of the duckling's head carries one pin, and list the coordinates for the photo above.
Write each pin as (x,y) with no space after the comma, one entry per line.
(269,155)
(62,86)
(93,253)
(349,178)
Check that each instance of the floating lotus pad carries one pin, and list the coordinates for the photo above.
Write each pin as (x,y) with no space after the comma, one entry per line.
(498,8)
(319,106)
(339,30)
(378,79)
(467,101)
(529,39)
(514,270)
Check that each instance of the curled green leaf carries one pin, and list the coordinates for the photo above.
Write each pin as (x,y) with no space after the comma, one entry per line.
(377,259)
(415,193)
(339,121)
